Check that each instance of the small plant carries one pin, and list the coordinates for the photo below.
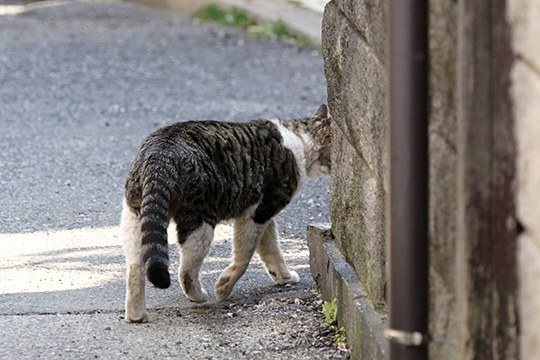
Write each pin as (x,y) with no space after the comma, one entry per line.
(232,16)
(340,337)
(330,312)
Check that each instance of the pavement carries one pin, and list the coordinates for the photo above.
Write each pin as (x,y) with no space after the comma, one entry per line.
(81,85)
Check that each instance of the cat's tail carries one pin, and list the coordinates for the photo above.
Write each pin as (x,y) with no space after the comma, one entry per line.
(154,215)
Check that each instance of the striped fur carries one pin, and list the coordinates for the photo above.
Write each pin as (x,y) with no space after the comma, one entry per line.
(202,172)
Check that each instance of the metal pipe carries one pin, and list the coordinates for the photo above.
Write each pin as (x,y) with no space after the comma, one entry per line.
(408,248)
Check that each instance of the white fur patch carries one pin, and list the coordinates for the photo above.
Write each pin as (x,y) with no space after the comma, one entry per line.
(292,142)
(196,246)
(131,235)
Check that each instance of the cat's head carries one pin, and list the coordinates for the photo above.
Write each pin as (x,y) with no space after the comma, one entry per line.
(322,134)
(317,135)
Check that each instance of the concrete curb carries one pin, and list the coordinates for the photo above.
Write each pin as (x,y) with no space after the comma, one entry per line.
(337,280)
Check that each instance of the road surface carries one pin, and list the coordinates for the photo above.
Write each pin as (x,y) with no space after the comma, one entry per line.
(81,85)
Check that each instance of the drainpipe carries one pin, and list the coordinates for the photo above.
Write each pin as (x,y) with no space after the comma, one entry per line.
(408,246)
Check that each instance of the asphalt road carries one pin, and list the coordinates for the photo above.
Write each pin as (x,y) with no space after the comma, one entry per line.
(81,85)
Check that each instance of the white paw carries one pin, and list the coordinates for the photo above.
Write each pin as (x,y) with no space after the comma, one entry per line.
(295,278)
(136,316)
(224,286)
(291,278)
(192,288)
(198,297)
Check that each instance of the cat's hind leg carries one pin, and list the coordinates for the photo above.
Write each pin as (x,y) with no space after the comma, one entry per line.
(247,234)
(270,253)
(193,250)
(131,236)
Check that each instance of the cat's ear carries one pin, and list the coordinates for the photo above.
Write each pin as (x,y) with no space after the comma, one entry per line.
(321,113)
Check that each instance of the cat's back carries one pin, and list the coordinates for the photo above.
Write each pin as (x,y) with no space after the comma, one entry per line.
(230,162)
(211,140)
(205,133)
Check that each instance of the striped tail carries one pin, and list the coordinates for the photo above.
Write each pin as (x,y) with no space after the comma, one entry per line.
(154,217)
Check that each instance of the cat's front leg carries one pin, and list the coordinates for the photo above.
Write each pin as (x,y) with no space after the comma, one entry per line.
(135,282)
(247,234)
(270,253)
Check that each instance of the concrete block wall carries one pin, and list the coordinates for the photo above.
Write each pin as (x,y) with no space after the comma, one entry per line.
(523,16)
(355,52)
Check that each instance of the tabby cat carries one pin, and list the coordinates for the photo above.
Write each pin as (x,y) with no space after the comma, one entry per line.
(199,173)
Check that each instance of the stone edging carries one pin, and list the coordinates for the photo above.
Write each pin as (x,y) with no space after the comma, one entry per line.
(337,279)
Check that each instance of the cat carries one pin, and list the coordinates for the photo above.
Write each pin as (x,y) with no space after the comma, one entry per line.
(199,173)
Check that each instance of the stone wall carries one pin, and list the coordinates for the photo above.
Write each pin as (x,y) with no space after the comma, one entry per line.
(523,16)
(355,53)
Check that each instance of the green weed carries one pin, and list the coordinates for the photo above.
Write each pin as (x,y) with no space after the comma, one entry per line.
(330,312)
(340,337)
(232,16)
